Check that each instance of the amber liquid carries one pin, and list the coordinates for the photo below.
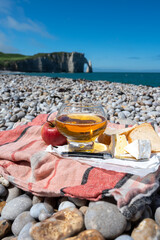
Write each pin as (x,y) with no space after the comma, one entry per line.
(81,127)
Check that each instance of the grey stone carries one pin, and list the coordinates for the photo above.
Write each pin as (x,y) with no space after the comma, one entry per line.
(13,192)
(3,191)
(37,199)
(20,114)
(29,117)
(38,208)
(78,202)
(13,118)
(121,115)
(16,109)
(148,102)
(114,104)
(43,216)
(11,237)
(154,113)
(24,233)
(124,237)
(101,214)
(143,119)
(119,101)
(20,221)
(9,125)
(66,204)
(127,121)
(158,108)
(16,206)
(16,98)
(4,181)
(157,216)
(126,113)
(158,120)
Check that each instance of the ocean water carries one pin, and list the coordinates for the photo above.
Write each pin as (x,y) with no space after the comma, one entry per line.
(137,78)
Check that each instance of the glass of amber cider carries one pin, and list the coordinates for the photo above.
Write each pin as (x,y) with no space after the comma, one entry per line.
(81,123)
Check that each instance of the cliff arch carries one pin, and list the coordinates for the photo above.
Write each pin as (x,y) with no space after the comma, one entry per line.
(49,62)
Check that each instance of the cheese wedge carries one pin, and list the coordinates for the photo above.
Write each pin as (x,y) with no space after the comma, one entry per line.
(117,145)
(140,149)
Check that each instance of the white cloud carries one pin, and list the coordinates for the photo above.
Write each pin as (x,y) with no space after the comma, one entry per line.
(28,25)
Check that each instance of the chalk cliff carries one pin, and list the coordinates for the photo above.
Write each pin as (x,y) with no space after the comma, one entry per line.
(50,62)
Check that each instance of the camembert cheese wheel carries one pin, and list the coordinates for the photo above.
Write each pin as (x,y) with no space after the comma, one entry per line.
(140,149)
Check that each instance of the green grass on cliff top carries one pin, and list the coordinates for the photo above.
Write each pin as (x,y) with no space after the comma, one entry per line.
(11,57)
(7,57)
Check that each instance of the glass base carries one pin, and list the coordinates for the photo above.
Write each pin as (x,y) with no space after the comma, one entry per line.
(81,146)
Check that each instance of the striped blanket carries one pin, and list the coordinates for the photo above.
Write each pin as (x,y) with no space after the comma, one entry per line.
(25,163)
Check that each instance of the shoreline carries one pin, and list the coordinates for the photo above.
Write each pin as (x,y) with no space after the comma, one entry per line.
(136,78)
(23,97)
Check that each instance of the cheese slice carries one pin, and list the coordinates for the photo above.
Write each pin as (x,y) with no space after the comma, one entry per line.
(140,149)
(117,145)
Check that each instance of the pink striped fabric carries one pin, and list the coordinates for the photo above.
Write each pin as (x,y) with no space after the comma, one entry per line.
(25,163)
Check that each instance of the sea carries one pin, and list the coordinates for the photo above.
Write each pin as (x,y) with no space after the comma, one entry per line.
(137,78)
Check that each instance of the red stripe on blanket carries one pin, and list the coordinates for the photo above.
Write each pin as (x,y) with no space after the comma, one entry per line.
(30,186)
(6,165)
(54,173)
(97,181)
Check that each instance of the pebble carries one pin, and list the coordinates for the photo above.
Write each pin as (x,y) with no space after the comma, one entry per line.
(16,206)
(20,114)
(101,214)
(20,221)
(2,204)
(5,227)
(64,223)
(37,199)
(39,208)
(83,209)
(14,118)
(3,191)
(9,238)
(88,235)
(124,237)
(43,216)
(147,229)
(13,192)
(4,181)
(78,202)
(25,232)
(157,216)
(66,204)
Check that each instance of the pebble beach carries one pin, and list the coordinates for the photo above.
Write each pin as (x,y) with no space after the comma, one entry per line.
(28,217)
(24,97)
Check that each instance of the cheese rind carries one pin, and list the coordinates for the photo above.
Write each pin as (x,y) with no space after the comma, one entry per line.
(140,149)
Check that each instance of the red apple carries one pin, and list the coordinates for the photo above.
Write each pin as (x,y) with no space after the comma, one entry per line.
(51,135)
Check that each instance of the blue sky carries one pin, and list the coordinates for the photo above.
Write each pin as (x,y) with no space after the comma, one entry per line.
(116,35)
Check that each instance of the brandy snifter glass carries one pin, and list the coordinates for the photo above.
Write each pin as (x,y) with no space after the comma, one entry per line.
(81,123)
